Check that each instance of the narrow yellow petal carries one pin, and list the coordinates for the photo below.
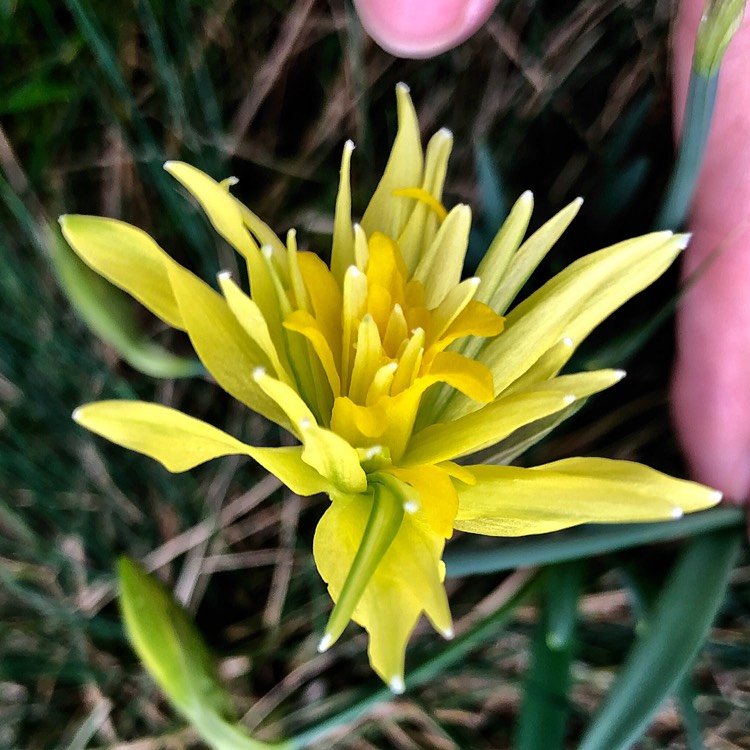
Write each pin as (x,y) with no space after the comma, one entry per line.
(367,360)
(325,297)
(423,223)
(439,269)
(503,247)
(424,196)
(526,259)
(180,442)
(327,452)
(129,258)
(251,319)
(228,353)
(222,209)
(471,378)
(481,428)
(226,214)
(512,501)
(303,323)
(404,169)
(342,252)
(437,496)
(605,280)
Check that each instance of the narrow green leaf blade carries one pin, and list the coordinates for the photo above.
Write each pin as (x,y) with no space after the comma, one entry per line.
(661,657)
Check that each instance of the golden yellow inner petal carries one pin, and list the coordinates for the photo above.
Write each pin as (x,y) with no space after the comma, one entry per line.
(423,196)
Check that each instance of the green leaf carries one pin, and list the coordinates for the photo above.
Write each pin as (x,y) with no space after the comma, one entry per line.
(110,315)
(545,706)
(661,656)
(166,640)
(585,541)
(33,94)
(168,643)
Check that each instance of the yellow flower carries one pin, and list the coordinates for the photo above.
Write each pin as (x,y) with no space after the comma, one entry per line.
(387,368)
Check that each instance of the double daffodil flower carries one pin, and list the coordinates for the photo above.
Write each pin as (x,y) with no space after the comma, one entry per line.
(390,371)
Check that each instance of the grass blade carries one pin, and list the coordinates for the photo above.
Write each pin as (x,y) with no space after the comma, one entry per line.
(584,541)
(661,657)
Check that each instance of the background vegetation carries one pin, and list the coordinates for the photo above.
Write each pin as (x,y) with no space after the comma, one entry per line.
(565,98)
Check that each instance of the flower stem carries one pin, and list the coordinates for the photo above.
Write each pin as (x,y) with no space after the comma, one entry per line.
(699,111)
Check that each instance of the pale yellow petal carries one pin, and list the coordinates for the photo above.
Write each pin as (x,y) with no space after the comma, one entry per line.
(423,223)
(342,252)
(180,442)
(571,304)
(407,581)
(226,214)
(481,428)
(527,258)
(327,452)
(253,322)
(404,170)
(222,209)
(437,496)
(129,258)
(512,501)
(503,247)
(439,269)
(228,353)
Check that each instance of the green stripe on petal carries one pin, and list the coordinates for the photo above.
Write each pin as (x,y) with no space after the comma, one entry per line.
(512,501)
(180,442)
(407,581)
(129,258)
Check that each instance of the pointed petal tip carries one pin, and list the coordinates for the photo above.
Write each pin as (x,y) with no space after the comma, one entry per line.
(349,145)
(411,507)
(677,512)
(448,633)
(403,88)
(447,132)
(717,496)
(325,643)
(569,399)
(396,684)
(224,275)
(683,240)
(526,195)
(76,415)
(620,374)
